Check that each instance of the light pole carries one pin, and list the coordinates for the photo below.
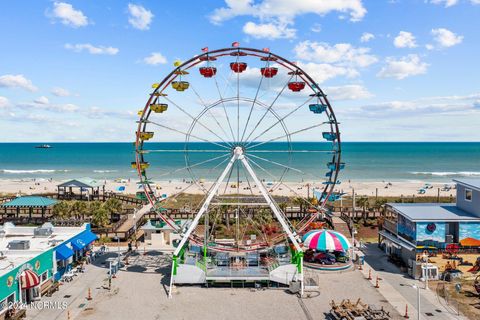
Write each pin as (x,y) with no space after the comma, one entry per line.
(418,300)
(354,231)
(425,268)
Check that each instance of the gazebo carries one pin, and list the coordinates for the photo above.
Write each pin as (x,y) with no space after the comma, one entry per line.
(32,203)
(81,189)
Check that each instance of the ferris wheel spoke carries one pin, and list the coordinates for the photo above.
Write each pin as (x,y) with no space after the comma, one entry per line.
(292,151)
(279,121)
(183,150)
(186,134)
(251,108)
(224,108)
(277,163)
(210,113)
(228,180)
(270,107)
(196,120)
(290,134)
(193,165)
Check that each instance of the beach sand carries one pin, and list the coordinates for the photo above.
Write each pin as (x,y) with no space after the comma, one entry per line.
(370,188)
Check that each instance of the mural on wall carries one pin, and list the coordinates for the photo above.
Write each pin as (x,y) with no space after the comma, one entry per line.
(431,234)
(406,229)
(469,234)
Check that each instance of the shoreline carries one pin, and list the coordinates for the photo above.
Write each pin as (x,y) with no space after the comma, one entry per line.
(362,188)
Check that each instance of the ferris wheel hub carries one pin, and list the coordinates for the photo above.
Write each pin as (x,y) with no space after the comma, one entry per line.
(238,151)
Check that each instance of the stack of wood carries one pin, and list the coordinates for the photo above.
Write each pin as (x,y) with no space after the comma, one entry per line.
(346,310)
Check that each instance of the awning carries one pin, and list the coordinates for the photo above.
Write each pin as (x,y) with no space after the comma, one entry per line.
(83,240)
(29,279)
(397,240)
(63,252)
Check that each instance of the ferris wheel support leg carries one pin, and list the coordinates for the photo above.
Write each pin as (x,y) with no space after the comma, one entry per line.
(271,203)
(205,205)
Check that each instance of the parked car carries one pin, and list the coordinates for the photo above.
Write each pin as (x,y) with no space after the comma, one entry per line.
(341,256)
(324,258)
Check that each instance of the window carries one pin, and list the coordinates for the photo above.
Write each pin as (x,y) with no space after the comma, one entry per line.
(468,194)
(44,277)
(7,302)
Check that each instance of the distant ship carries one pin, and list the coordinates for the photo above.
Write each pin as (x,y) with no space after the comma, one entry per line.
(43,146)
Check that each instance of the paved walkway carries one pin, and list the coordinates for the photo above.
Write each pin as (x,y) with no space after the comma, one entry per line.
(75,293)
(397,288)
(128,224)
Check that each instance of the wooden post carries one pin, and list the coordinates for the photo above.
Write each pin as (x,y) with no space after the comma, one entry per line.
(438,195)
(376,194)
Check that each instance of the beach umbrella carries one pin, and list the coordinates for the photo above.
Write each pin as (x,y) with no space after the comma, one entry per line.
(325,240)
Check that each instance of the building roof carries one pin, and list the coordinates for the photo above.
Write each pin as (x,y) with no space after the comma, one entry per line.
(472,183)
(82,183)
(13,258)
(433,212)
(30,201)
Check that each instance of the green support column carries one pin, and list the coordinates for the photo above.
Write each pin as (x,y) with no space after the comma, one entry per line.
(175,265)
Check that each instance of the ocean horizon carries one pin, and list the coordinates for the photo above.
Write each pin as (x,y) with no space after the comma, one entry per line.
(365,161)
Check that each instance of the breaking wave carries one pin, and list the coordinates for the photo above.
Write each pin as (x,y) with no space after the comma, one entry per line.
(448,173)
(32,171)
(104,171)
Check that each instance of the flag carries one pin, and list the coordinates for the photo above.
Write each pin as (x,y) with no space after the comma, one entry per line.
(266,49)
(236,44)
(205,49)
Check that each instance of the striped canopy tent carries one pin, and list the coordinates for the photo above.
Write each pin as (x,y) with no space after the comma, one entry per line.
(325,240)
(29,279)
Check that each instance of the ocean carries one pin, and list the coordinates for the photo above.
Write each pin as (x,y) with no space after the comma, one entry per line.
(365,161)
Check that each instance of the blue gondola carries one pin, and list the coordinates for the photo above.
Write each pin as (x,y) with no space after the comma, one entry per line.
(329,136)
(331,182)
(317,108)
(332,166)
(329,174)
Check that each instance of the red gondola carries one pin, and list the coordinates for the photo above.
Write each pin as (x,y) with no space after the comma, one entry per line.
(207,58)
(269,72)
(296,86)
(238,67)
(208,72)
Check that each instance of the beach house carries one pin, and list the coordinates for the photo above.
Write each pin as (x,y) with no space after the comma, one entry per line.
(411,228)
(33,259)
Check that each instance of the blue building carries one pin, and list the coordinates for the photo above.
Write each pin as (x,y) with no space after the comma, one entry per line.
(411,228)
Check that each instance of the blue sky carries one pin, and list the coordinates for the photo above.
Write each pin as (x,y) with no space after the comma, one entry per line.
(404,70)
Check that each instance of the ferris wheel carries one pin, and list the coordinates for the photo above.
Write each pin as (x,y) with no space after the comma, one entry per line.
(249,124)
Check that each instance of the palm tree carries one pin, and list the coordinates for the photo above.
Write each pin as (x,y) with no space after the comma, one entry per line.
(363,202)
(112,206)
(100,217)
(61,209)
(92,207)
(79,209)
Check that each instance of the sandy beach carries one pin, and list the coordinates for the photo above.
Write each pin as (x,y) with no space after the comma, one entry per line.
(371,188)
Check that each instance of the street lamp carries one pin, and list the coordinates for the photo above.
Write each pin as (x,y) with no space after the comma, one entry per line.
(418,300)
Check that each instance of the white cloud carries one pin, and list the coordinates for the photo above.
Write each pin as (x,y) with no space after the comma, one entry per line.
(42,100)
(16,81)
(286,10)
(60,92)
(4,103)
(269,30)
(68,15)
(366,37)
(321,72)
(402,68)
(448,3)
(348,92)
(155,58)
(91,48)
(446,38)
(404,40)
(140,18)
(341,53)
(316,28)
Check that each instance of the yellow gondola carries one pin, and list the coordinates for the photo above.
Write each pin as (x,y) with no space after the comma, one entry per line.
(140,112)
(146,135)
(143,165)
(180,85)
(159,108)
(181,72)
